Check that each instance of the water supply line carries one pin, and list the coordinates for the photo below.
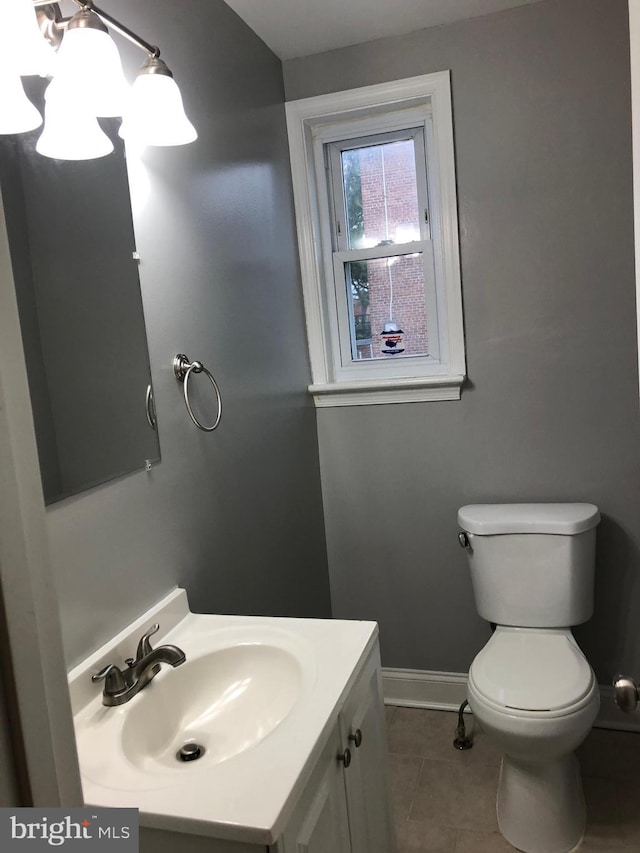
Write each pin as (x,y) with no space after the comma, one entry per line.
(462,741)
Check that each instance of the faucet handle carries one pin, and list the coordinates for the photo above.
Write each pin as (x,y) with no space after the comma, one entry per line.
(144,646)
(113,679)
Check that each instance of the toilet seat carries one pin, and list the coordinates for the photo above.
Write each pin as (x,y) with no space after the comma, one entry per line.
(532,671)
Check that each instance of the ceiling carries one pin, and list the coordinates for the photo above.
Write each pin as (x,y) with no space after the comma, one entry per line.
(293,28)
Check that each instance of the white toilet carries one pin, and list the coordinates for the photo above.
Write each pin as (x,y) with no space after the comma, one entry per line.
(531,688)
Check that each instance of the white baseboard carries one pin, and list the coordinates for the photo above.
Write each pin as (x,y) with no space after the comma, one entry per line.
(418,688)
(446,691)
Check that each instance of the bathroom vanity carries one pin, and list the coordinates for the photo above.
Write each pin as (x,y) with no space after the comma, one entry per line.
(288,714)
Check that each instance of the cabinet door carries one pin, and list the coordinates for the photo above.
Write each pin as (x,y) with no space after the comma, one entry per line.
(320,823)
(363,730)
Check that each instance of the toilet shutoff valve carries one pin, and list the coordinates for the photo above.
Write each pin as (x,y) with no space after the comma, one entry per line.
(626,693)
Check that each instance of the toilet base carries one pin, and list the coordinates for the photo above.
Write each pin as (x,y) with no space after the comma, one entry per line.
(541,806)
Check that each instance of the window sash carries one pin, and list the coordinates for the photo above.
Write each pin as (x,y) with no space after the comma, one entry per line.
(337,198)
(346,330)
(342,255)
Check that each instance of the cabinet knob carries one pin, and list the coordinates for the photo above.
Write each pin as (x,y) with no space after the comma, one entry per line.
(345,757)
(356,737)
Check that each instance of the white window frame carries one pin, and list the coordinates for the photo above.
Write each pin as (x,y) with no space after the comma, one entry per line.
(313,124)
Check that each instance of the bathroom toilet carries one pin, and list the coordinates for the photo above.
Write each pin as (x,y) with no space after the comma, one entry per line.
(531,688)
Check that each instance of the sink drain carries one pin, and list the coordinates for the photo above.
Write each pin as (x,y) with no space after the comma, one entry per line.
(190,752)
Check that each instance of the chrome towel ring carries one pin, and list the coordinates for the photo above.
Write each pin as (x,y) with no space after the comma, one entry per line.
(182,369)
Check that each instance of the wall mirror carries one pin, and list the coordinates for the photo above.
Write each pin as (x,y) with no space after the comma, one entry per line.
(72,249)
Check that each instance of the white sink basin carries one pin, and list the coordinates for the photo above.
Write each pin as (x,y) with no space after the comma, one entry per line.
(225,701)
(237,685)
(256,692)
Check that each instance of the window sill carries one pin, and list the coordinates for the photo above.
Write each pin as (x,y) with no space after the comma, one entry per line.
(373,393)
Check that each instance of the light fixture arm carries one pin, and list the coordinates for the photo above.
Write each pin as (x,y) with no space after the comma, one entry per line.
(125,32)
(151,49)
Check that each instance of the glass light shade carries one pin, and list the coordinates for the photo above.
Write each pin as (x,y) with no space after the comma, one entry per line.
(89,65)
(24,47)
(17,113)
(155,114)
(71,133)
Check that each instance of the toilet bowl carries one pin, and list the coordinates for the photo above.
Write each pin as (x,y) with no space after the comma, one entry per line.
(531,688)
(535,690)
(536,697)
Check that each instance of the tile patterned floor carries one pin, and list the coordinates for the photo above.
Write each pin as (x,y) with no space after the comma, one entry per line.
(444,800)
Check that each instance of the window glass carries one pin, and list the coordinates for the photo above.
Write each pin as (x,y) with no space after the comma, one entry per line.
(381,194)
(387,307)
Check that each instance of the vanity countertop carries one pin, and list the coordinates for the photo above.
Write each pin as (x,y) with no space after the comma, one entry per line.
(249,796)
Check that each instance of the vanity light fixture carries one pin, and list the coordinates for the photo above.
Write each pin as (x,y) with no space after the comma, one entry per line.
(156,115)
(88,82)
(70,132)
(89,70)
(17,113)
(24,50)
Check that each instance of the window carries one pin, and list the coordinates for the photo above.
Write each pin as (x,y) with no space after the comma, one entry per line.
(374,190)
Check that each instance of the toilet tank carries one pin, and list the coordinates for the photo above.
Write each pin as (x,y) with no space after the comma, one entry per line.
(532,565)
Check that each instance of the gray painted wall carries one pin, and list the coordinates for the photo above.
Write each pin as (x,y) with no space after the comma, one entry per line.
(235,516)
(541,99)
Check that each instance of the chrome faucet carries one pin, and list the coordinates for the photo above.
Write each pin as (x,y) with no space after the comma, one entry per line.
(122,685)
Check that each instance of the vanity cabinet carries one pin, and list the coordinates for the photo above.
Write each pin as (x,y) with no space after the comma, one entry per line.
(346,806)
(295,756)
(363,728)
(320,823)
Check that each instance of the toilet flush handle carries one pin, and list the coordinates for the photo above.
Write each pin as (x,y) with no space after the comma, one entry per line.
(463,539)
(626,693)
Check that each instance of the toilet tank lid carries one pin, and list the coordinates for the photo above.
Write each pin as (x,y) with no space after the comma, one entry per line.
(565,519)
